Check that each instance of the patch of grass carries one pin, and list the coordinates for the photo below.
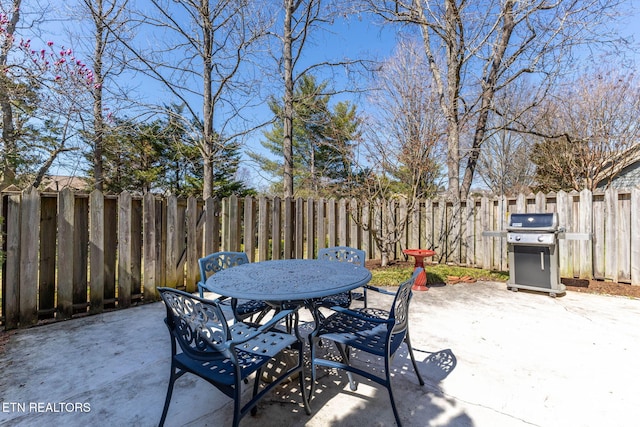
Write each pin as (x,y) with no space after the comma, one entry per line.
(394,275)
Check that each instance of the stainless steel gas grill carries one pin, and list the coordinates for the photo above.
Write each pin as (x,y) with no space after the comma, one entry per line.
(532,245)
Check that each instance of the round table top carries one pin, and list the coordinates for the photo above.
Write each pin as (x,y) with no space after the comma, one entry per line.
(288,280)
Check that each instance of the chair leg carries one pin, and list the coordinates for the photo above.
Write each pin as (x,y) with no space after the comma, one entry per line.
(344,352)
(312,343)
(407,340)
(256,387)
(237,394)
(167,399)
(303,388)
(393,404)
(387,369)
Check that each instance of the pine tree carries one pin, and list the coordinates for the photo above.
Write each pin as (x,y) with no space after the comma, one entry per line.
(323,140)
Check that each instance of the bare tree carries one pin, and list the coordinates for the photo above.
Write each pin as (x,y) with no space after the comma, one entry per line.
(404,141)
(476,49)
(589,125)
(505,164)
(108,19)
(199,53)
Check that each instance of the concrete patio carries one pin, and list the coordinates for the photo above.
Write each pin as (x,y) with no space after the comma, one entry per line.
(490,357)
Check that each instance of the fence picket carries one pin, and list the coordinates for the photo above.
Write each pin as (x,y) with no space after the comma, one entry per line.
(66,227)
(47,274)
(635,231)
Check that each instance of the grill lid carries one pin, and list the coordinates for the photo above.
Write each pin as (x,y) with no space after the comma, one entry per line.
(533,222)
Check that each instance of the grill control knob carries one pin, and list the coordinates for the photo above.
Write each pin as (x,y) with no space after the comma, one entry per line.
(518,238)
(541,238)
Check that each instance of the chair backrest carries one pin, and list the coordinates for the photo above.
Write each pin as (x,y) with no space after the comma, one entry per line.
(400,309)
(198,325)
(344,254)
(219,261)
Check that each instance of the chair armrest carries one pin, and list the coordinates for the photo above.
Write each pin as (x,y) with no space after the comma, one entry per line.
(379,290)
(360,316)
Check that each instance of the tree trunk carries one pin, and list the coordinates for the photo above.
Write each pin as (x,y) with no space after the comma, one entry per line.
(98,122)
(287,143)
(8,131)
(487,97)
(208,136)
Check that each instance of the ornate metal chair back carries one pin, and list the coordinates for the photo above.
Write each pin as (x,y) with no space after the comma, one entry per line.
(219,261)
(199,327)
(344,254)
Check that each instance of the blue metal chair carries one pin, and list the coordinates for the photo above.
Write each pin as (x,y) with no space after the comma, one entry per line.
(369,330)
(226,355)
(343,254)
(217,261)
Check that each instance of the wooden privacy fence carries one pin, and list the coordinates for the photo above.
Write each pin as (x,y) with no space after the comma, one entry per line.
(69,254)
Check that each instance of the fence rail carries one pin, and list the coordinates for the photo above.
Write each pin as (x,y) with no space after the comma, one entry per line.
(69,254)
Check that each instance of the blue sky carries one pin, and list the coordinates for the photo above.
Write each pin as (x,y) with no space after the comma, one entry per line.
(358,38)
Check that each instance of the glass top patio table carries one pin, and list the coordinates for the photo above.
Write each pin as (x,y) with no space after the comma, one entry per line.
(288,280)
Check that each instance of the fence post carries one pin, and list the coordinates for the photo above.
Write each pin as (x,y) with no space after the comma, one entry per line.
(174,249)
(125,272)
(211,225)
(11,276)
(276,229)
(611,233)
(343,231)
(321,228)
(586,226)
(311,238)
(29,242)
(149,244)
(487,246)
(249,228)
(354,230)
(298,239)
(468,248)
(331,222)
(288,228)
(263,228)
(564,220)
(365,213)
(96,252)
(193,251)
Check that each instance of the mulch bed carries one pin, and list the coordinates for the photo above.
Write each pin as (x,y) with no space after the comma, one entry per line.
(601,287)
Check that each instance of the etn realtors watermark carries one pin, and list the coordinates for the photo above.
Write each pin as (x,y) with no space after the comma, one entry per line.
(44,407)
